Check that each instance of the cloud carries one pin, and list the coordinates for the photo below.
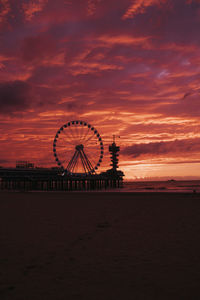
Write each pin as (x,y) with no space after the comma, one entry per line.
(33,7)
(187,106)
(38,49)
(4,161)
(14,96)
(166,128)
(4,10)
(190,1)
(139,6)
(171,148)
(143,41)
(92,6)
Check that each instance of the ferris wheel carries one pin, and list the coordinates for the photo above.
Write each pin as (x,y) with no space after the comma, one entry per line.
(78,148)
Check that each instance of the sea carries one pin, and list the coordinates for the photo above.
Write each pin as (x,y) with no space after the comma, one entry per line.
(173,186)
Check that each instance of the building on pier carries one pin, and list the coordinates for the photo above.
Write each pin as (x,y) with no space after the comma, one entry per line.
(22,164)
(114,173)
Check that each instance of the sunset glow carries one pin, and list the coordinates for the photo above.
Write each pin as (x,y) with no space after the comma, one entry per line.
(130,68)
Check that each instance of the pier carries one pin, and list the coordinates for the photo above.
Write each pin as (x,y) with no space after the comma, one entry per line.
(50,180)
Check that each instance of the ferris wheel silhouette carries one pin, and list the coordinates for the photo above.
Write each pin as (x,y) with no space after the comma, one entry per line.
(78,148)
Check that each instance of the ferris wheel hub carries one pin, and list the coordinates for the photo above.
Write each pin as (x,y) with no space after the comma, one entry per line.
(79,147)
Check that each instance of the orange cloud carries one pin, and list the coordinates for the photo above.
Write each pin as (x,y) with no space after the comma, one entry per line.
(139,6)
(5,9)
(93,67)
(126,40)
(33,7)
(92,6)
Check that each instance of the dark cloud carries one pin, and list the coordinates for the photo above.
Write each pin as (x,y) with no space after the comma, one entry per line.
(38,48)
(169,148)
(4,161)
(188,106)
(161,128)
(14,96)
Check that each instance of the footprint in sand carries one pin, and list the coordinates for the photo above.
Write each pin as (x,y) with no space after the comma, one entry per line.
(103,225)
(29,268)
(4,290)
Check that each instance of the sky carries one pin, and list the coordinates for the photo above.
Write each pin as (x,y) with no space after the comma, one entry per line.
(130,68)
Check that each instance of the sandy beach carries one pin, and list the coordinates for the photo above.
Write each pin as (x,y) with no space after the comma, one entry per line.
(99,245)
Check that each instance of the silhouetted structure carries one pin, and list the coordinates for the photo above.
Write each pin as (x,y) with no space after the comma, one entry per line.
(26,177)
(52,180)
(23,164)
(113,149)
(76,148)
(113,173)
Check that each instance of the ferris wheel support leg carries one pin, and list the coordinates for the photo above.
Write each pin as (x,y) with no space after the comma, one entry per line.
(75,161)
(71,163)
(87,162)
(83,162)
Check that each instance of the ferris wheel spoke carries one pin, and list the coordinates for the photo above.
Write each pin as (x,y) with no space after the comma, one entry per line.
(89,139)
(71,133)
(65,146)
(86,134)
(92,143)
(61,146)
(83,162)
(91,159)
(74,131)
(87,161)
(63,158)
(65,153)
(77,133)
(92,152)
(63,162)
(72,161)
(68,142)
(82,132)
(75,164)
(68,137)
(65,149)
